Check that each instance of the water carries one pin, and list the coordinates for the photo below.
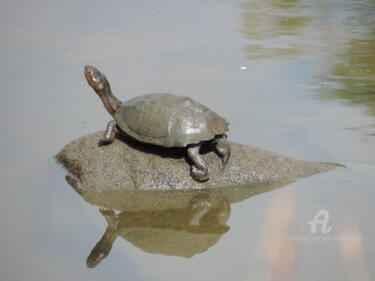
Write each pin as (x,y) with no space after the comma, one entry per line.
(294,77)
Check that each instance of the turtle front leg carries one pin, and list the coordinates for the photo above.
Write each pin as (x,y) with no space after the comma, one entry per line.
(223,148)
(110,133)
(199,169)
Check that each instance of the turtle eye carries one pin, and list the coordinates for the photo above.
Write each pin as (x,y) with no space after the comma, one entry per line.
(89,71)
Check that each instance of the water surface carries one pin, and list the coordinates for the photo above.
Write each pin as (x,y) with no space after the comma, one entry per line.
(294,77)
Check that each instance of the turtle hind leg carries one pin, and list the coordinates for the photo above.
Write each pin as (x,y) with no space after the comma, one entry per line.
(110,133)
(223,148)
(199,169)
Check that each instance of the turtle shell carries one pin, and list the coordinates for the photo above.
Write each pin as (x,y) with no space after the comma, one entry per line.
(168,120)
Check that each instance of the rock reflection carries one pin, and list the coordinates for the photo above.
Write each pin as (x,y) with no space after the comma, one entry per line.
(178,222)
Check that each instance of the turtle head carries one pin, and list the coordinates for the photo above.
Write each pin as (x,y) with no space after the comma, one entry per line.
(96,80)
(101,86)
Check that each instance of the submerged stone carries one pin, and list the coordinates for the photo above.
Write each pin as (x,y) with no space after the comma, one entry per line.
(129,165)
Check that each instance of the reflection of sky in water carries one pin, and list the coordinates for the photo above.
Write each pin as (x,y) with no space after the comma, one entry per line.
(293,51)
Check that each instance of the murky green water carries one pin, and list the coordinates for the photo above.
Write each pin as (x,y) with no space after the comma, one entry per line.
(294,77)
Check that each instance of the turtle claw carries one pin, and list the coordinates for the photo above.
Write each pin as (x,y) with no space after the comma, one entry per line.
(106,211)
(223,149)
(225,159)
(199,175)
(104,141)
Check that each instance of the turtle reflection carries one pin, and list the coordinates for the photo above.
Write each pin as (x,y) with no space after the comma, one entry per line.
(170,222)
(192,226)
(178,232)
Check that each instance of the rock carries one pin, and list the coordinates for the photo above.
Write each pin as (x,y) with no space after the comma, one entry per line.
(160,208)
(129,165)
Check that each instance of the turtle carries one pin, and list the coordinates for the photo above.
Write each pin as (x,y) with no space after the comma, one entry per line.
(165,120)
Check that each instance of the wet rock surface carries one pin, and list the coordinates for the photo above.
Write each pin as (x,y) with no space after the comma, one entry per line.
(129,165)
